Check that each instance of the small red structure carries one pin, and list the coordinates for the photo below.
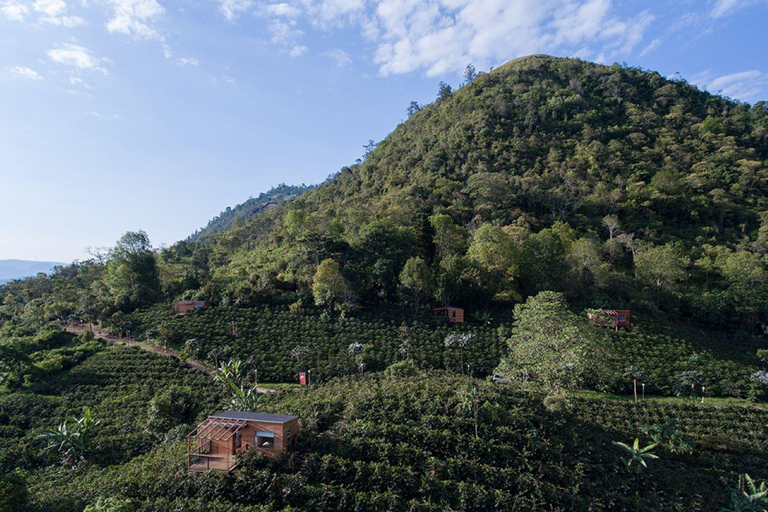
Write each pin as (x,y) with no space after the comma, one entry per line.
(610,318)
(216,442)
(303,378)
(184,307)
(453,315)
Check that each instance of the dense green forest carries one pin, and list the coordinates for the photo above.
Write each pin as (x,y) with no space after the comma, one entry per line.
(243,212)
(530,196)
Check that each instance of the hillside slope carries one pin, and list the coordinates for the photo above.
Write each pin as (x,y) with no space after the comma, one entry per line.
(245,211)
(612,184)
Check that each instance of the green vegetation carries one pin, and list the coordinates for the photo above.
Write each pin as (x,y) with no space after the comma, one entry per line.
(433,443)
(233,217)
(548,346)
(530,196)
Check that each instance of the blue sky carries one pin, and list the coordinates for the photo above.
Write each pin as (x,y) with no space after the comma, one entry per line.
(150,114)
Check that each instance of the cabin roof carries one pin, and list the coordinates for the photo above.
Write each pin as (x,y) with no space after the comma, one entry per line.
(255,416)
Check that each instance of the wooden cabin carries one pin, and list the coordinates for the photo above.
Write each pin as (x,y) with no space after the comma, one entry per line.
(216,442)
(184,307)
(453,315)
(610,318)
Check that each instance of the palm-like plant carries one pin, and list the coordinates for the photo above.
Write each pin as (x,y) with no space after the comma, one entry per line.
(70,442)
(65,441)
(244,397)
(749,496)
(637,456)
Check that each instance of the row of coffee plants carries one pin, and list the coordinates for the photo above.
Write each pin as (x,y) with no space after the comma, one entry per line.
(119,386)
(672,358)
(438,442)
(266,337)
(279,344)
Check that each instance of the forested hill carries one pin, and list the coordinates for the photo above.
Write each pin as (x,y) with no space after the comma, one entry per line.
(612,184)
(245,211)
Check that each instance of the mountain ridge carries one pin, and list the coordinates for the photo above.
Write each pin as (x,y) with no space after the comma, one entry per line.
(11,269)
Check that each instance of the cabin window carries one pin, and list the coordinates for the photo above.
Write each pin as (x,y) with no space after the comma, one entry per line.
(265,440)
(288,436)
(238,439)
(622,317)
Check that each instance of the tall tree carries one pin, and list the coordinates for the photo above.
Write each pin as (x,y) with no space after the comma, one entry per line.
(416,280)
(663,267)
(444,91)
(470,74)
(548,346)
(132,275)
(329,287)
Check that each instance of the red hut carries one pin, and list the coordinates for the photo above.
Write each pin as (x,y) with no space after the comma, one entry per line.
(184,307)
(610,318)
(453,315)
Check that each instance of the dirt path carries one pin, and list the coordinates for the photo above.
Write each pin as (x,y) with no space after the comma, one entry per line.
(149,347)
(113,340)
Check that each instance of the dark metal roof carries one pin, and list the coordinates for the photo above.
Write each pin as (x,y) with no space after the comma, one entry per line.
(255,416)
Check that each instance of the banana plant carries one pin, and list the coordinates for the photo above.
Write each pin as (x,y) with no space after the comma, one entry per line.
(244,397)
(637,456)
(749,496)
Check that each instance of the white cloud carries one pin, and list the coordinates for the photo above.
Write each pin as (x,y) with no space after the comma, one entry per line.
(341,58)
(439,36)
(651,46)
(51,11)
(25,73)
(50,7)
(65,21)
(330,13)
(284,32)
(748,86)
(725,7)
(77,57)
(282,9)
(231,9)
(14,10)
(187,61)
(298,50)
(77,81)
(135,18)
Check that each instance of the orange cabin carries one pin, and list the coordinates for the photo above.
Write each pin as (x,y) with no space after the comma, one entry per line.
(617,318)
(453,315)
(184,307)
(216,442)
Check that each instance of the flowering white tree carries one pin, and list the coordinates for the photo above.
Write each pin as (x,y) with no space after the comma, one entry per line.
(460,340)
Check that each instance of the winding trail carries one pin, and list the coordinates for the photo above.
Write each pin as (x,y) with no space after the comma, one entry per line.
(149,347)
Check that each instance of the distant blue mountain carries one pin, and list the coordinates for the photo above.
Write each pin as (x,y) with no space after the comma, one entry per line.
(19,269)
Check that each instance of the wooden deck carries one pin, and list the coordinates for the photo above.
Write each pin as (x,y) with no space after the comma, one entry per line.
(200,463)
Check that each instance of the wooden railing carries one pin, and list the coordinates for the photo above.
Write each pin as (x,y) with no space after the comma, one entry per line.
(199,461)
